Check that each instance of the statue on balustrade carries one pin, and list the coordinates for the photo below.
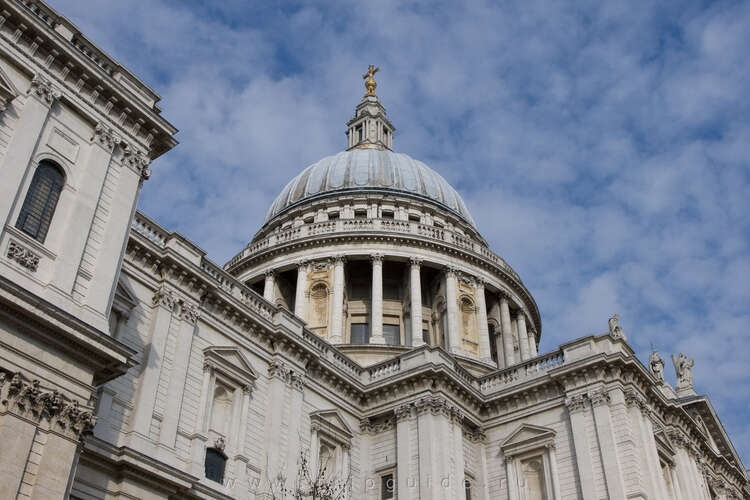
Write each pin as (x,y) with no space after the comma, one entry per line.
(614,327)
(656,364)
(683,369)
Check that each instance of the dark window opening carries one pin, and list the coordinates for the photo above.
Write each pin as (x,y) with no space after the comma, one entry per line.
(359,133)
(387,486)
(493,342)
(41,200)
(360,333)
(413,218)
(387,214)
(215,464)
(467,488)
(392,334)
(426,336)
(438,224)
(333,216)
(360,214)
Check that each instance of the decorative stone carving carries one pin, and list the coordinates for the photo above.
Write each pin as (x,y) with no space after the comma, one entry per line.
(450,271)
(25,257)
(599,397)
(576,403)
(365,425)
(614,327)
(683,369)
(476,435)
(415,261)
(277,369)
(190,312)
(634,398)
(376,257)
(220,444)
(105,136)
(165,297)
(136,160)
(297,381)
(656,365)
(30,401)
(403,411)
(44,89)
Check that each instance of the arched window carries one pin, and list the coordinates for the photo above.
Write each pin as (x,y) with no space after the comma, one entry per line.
(468,324)
(215,464)
(41,200)
(221,411)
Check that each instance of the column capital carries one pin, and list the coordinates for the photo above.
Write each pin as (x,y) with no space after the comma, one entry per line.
(303,264)
(269,273)
(450,271)
(415,261)
(189,311)
(403,411)
(43,89)
(599,397)
(338,259)
(376,258)
(165,297)
(105,136)
(576,404)
(480,282)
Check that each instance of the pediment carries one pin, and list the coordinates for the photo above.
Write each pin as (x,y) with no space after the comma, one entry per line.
(526,437)
(707,423)
(231,362)
(332,423)
(664,445)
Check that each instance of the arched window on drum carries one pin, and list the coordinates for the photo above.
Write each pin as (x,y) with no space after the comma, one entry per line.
(41,200)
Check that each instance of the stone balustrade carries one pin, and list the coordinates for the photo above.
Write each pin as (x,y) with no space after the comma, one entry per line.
(291,234)
(521,372)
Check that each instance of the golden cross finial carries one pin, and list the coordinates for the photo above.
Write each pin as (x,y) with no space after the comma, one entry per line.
(370,84)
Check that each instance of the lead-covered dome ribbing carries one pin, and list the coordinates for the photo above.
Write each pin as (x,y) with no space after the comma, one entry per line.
(369,170)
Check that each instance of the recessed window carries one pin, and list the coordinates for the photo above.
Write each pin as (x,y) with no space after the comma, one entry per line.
(413,218)
(387,214)
(360,214)
(360,333)
(215,464)
(392,334)
(359,133)
(41,200)
(438,224)
(426,336)
(467,488)
(333,215)
(309,220)
(387,486)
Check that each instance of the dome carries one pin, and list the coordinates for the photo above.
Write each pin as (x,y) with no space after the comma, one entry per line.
(369,170)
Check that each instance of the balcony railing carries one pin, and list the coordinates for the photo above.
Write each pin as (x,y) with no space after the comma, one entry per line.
(526,370)
(374,225)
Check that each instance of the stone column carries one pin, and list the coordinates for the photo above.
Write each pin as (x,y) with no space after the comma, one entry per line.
(523,338)
(269,285)
(299,295)
(532,344)
(484,332)
(189,313)
(638,411)
(367,483)
(506,332)
(429,445)
(376,306)
(416,302)
(15,161)
(403,453)
(607,445)
(164,302)
(576,408)
(451,299)
(337,308)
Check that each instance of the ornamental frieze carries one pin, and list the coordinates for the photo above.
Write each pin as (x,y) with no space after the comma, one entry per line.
(23,256)
(29,400)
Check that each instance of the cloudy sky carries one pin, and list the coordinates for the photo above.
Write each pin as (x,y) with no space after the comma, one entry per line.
(602,147)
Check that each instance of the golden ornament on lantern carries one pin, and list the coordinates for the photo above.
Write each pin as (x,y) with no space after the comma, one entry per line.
(370,82)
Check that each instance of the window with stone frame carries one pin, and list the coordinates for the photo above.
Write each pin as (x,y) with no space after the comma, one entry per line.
(41,200)
(531,472)
(215,464)
(388,485)
(318,315)
(330,444)
(469,325)
(228,379)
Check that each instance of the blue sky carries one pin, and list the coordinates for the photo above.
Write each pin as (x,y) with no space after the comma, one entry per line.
(601,147)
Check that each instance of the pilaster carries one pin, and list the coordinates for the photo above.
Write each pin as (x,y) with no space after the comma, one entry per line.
(507,332)
(299,295)
(404,414)
(577,406)
(523,338)
(484,332)
(600,400)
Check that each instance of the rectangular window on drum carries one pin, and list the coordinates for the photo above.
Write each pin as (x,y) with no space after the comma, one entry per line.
(360,333)
(392,334)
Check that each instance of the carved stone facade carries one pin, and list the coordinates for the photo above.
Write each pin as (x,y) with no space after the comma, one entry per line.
(368,328)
